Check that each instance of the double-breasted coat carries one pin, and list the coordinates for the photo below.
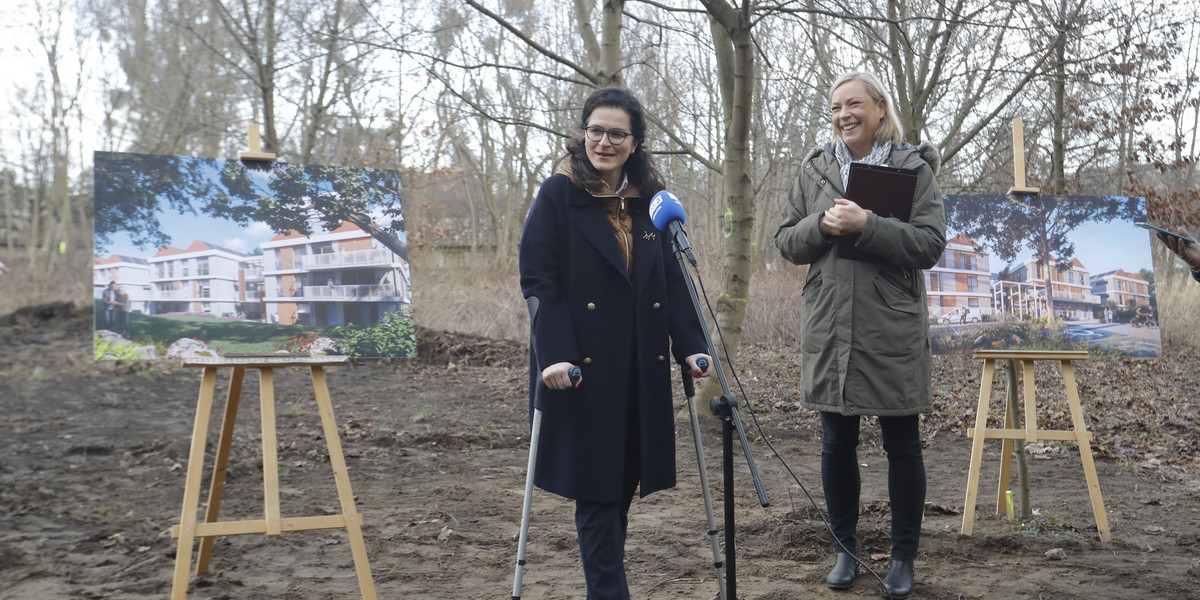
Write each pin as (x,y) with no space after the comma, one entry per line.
(865,325)
(619,326)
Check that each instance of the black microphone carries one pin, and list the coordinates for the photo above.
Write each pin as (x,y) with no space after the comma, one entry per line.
(668,215)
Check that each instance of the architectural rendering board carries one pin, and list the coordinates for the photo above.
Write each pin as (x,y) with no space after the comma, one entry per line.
(988,290)
(248,257)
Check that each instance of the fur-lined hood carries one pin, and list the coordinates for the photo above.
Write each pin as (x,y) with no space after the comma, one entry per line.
(926,150)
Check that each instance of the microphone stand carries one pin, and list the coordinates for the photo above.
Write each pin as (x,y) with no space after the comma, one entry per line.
(689,390)
(724,407)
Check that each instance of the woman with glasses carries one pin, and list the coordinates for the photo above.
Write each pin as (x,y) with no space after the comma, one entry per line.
(613,301)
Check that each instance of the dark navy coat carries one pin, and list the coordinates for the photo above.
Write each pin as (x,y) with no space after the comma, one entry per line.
(594,315)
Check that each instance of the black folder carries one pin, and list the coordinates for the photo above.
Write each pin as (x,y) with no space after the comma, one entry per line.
(889,192)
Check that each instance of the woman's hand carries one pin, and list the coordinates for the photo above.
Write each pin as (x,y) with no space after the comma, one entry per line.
(1190,253)
(557,376)
(695,370)
(845,218)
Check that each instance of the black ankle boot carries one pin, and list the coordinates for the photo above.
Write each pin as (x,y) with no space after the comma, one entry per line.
(899,581)
(841,577)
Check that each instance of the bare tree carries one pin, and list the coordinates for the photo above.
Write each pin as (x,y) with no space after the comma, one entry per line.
(170,96)
(45,209)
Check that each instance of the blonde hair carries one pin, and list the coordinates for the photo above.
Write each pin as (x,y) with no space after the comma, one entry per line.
(889,129)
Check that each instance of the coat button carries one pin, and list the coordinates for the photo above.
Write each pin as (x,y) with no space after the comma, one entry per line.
(587,361)
(661,358)
(591,306)
(822,182)
(656,306)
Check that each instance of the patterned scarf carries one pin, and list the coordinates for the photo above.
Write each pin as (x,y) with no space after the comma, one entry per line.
(879,154)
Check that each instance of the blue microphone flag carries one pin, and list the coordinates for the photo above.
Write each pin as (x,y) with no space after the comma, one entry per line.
(664,208)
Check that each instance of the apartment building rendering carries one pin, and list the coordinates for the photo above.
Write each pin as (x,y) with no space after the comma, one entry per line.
(202,279)
(960,279)
(1070,287)
(1119,289)
(341,277)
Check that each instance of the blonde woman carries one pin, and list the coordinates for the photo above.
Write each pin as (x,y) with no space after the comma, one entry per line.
(865,331)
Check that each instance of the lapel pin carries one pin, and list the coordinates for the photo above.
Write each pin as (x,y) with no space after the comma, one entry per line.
(648,235)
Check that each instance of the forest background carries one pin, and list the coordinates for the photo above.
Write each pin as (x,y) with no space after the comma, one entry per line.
(472,100)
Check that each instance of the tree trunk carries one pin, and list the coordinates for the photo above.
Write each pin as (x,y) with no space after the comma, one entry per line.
(1059,151)
(385,237)
(609,67)
(736,52)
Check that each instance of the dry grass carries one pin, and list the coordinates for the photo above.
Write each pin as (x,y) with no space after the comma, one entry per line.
(474,296)
(1179,309)
(42,278)
(480,295)
(461,293)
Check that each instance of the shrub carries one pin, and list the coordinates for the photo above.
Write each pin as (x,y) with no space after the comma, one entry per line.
(105,350)
(394,335)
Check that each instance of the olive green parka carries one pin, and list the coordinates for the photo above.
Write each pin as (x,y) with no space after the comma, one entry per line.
(865,332)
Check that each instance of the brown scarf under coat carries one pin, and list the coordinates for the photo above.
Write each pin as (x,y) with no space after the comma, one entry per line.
(618,214)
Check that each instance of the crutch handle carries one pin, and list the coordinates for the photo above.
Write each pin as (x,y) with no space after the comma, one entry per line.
(689,387)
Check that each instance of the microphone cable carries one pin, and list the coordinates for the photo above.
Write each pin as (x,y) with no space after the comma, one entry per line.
(758,426)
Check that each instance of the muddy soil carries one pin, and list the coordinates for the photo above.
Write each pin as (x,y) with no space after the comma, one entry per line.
(93,459)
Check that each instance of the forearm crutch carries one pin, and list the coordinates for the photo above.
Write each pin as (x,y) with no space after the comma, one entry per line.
(534,431)
(689,390)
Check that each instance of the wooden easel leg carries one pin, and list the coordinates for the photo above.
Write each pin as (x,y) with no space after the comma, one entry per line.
(345,496)
(1006,447)
(1085,451)
(985,394)
(191,488)
(217,487)
(270,451)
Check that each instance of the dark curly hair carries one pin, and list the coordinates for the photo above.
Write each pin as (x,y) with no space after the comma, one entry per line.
(639,167)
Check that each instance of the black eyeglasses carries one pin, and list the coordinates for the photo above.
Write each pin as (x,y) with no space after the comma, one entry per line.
(615,136)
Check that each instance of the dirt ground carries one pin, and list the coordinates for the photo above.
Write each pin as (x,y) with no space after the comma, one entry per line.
(93,458)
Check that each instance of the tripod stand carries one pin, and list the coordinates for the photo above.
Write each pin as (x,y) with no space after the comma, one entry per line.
(724,407)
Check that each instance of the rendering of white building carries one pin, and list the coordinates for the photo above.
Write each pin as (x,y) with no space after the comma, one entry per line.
(337,278)
(201,279)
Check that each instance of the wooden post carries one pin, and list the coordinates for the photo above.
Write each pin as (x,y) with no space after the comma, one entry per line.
(1019,186)
(256,152)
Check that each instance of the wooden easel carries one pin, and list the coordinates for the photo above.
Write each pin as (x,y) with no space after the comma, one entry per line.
(272,524)
(1029,431)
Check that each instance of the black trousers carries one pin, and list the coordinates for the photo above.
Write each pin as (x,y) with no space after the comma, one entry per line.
(842,483)
(602,526)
